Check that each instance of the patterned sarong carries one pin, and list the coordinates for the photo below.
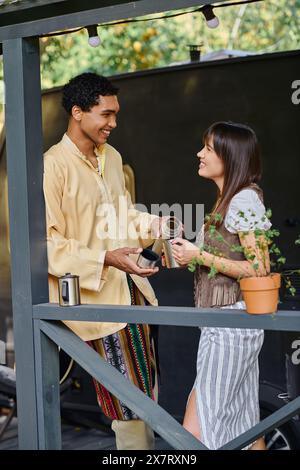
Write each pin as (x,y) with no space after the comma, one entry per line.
(131,352)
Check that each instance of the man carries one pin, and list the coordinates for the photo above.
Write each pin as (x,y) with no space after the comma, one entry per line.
(94,231)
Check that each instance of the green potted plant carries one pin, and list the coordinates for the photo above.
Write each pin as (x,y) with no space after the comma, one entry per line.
(260,293)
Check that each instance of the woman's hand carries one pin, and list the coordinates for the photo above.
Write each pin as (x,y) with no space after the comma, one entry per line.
(184,251)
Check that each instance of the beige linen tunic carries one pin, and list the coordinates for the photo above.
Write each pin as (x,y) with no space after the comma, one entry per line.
(87,214)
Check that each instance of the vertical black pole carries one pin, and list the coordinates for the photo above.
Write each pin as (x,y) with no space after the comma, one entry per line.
(24,141)
(48,396)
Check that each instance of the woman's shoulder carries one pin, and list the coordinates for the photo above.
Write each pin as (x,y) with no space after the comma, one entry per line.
(248,196)
(246,211)
(247,199)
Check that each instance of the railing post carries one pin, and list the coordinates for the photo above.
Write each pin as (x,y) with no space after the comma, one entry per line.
(24,143)
(122,388)
(48,392)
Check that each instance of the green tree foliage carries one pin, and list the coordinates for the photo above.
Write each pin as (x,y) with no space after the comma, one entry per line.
(269,26)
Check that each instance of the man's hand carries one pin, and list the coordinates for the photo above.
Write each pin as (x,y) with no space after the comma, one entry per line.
(120,259)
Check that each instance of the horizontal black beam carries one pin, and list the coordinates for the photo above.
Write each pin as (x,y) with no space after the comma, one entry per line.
(145,408)
(72,14)
(207,64)
(285,320)
(26,10)
(24,5)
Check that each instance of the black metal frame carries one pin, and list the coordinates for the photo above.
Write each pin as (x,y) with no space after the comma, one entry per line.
(67,14)
(36,333)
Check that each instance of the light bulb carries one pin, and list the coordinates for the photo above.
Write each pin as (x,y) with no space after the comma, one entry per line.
(214,23)
(212,20)
(94,40)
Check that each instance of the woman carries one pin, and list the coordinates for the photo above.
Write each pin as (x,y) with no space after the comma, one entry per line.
(224,400)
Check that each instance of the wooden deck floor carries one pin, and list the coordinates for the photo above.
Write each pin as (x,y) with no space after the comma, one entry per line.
(73,438)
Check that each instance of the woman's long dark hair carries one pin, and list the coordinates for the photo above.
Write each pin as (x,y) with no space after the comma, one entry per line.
(237,146)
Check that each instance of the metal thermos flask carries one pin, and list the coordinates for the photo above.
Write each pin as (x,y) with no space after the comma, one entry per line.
(148,259)
(171,228)
(169,258)
(69,291)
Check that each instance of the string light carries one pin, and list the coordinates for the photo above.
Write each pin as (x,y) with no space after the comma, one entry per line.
(94,39)
(212,20)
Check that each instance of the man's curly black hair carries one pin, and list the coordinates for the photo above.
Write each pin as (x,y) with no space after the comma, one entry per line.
(84,91)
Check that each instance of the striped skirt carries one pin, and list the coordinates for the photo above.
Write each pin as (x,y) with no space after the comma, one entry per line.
(227,382)
(132,352)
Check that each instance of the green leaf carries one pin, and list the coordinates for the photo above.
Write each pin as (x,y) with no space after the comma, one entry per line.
(212,272)
(218,217)
(292,291)
(269,213)
(258,232)
(236,249)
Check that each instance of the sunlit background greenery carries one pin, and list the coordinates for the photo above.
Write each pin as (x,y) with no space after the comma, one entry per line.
(268,26)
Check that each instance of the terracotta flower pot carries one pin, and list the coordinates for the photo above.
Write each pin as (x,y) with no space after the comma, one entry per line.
(261,294)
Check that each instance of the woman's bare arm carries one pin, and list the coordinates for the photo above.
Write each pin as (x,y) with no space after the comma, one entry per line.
(254,247)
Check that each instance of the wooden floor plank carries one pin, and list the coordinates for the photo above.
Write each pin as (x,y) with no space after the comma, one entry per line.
(73,438)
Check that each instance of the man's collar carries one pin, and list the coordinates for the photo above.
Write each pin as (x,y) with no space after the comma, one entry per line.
(99,151)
